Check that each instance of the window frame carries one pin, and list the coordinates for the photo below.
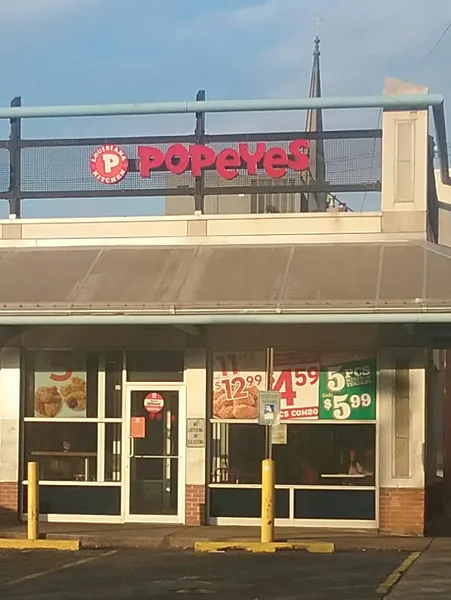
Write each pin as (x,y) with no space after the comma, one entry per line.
(101,421)
(375,353)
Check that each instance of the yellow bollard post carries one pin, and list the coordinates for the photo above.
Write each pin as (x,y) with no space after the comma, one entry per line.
(268,500)
(33,501)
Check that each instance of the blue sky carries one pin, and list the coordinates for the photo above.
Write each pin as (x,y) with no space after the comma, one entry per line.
(102,51)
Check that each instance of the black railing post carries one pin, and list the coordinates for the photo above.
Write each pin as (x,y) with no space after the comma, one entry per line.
(199,197)
(15,162)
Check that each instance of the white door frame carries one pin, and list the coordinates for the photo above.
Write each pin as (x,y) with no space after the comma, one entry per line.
(179,518)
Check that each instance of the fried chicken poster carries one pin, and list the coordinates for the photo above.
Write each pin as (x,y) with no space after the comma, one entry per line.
(237,379)
(60,385)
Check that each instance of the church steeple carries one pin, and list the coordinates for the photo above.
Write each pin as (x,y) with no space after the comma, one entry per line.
(317,201)
(314,120)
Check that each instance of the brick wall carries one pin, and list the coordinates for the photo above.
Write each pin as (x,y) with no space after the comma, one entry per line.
(195,505)
(401,510)
(9,498)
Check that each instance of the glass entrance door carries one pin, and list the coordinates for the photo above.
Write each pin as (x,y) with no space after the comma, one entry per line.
(154,469)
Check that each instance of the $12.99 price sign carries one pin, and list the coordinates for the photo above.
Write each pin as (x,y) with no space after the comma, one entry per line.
(236,374)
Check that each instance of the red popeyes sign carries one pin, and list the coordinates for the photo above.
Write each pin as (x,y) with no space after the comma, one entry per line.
(109,164)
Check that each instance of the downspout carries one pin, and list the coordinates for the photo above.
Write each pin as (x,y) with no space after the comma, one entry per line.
(438,114)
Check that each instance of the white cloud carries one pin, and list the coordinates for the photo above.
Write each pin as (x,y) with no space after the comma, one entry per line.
(266,12)
(27,10)
(362,42)
(357,34)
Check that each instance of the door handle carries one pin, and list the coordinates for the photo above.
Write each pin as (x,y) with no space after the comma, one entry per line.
(131,447)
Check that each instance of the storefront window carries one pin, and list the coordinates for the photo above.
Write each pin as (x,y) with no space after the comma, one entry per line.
(64,451)
(326,455)
(61,384)
(312,455)
(72,406)
(324,446)
(238,449)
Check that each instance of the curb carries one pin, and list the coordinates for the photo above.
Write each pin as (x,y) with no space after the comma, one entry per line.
(174,541)
(21,544)
(396,575)
(107,542)
(267,547)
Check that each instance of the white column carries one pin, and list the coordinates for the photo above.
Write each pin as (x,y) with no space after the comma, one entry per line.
(405,166)
(196,381)
(386,419)
(9,414)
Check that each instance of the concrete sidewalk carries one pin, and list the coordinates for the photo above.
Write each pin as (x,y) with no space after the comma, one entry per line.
(429,577)
(181,537)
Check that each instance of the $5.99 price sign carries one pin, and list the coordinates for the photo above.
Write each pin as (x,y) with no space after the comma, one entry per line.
(348,391)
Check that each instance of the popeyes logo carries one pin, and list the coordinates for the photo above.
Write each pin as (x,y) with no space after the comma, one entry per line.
(109,163)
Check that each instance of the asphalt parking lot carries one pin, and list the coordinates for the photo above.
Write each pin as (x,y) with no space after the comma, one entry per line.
(160,574)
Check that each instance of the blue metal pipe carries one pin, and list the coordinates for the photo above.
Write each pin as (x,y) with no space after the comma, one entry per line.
(177,320)
(395,102)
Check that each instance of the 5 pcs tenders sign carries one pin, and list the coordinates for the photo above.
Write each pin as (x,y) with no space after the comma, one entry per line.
(109,163)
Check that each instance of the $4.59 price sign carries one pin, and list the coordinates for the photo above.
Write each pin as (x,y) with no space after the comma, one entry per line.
(299,391)
(348,391)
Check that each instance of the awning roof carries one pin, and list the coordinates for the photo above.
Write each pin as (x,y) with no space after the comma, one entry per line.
(178,280)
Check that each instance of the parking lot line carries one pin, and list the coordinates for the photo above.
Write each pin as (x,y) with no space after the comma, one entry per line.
(394,577)
(70,565)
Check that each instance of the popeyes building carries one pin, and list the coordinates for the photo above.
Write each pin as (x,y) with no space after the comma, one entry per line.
(133,349)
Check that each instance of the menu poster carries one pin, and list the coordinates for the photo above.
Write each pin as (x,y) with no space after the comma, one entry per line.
(331,386)
(348,391)
(237,379)
(60,385)
(296,377)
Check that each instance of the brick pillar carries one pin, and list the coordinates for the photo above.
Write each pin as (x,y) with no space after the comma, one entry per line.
(195,505)
(401,511)
(9,499)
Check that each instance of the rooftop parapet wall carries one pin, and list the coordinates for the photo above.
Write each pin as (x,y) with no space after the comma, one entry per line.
(218,229)
(398,164)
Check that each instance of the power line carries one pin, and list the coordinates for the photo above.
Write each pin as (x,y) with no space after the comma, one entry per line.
(434,48)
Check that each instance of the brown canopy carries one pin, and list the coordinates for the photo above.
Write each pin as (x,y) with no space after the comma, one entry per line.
(226,279)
